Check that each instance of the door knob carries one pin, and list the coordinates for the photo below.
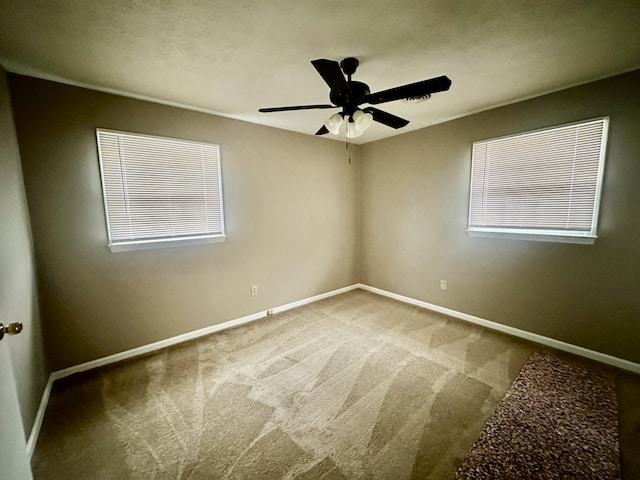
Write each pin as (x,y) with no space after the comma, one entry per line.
(11,329)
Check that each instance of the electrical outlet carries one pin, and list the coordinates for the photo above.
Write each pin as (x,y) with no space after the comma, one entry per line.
(254,290)
(443,284)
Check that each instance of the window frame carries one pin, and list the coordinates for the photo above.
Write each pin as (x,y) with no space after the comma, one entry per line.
(546,235)
(159,242)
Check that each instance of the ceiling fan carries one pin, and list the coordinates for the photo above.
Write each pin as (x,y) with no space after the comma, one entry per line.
(350,94)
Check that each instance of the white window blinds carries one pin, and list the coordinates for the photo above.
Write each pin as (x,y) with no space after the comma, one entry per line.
(542,182)
(159,189)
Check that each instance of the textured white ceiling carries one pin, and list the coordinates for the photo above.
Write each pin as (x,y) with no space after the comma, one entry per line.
(232,57)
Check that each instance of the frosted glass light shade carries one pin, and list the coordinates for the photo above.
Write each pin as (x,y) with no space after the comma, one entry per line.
(333,123)
(352,130)
(362,120)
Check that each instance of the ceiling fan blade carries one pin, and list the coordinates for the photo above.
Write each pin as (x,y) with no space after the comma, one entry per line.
(323,130)
(331,73)
(417,89)
(297,107)
(386,118)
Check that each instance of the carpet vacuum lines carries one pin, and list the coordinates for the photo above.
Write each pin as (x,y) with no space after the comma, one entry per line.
(352,386)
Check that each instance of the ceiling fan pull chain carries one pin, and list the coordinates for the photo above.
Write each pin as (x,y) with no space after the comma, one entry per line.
(349,150)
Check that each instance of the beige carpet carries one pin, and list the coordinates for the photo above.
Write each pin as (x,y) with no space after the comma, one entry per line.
(354,386)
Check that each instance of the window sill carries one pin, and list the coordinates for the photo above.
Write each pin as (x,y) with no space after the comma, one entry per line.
(164,243)
(533,235)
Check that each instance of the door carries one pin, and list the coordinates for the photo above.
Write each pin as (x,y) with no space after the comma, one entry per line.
(14,235)
(14,464)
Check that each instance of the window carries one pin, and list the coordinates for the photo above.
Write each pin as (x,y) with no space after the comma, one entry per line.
(541,185)
(159,191)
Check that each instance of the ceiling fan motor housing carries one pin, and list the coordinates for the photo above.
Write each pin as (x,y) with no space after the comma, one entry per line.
(350,98)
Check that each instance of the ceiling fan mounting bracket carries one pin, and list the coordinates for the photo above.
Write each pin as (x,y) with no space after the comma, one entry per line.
(349,65)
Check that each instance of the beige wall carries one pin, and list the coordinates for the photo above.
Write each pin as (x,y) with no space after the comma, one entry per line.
(18,291)
(414,205)
(290,208)
(299,215)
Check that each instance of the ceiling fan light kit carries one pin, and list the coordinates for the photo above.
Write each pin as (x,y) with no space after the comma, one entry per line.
(333,123)
(350,94)
(363,120)
(354,125)
(352,131)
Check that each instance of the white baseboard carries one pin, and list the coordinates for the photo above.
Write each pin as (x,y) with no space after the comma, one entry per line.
(37,422)
(516,332)
(134,352)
